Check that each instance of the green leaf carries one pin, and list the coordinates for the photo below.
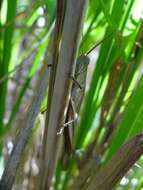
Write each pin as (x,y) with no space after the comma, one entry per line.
(7,46)
(132,121)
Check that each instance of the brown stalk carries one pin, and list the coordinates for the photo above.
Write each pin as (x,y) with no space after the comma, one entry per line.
(116,168)
(54,61)
(62,86)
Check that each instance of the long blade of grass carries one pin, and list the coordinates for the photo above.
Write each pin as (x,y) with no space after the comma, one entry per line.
(7,46)
(108,53)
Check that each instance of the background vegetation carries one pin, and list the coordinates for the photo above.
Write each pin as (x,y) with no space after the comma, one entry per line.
(40,42)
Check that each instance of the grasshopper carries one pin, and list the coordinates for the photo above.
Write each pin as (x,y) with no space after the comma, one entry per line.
(75,103)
